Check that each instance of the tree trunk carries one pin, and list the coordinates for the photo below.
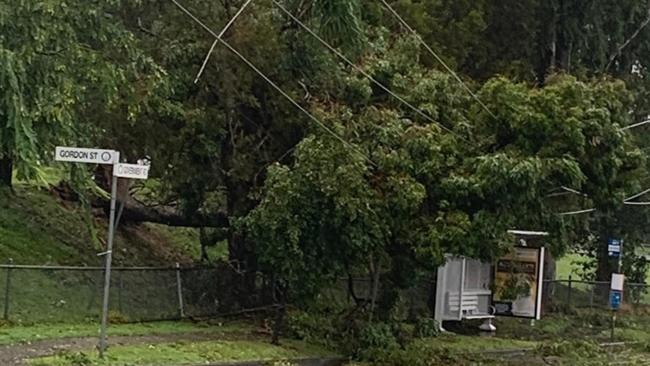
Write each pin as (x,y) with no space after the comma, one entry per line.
(606,265)
(6,171)
(375,271)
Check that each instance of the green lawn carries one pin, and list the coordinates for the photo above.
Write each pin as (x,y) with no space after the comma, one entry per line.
(36,227)
(186,353)
(23,334)
(461,344)
(570,265)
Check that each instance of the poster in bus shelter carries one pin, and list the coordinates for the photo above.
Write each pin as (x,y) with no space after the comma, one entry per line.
(518,283)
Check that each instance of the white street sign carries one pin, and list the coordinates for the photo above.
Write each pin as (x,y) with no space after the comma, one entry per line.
(617,282)
(133,171)
(82,155)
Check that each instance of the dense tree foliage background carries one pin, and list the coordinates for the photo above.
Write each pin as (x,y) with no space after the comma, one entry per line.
(559,79)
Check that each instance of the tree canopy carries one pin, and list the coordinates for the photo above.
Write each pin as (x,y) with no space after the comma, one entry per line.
(390,182)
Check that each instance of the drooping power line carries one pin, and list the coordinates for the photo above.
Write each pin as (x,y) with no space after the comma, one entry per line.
(272,83)
(221,34)
(438,58)
(360,70)
(571,213)
(637,195)
(635,125)
(628,201)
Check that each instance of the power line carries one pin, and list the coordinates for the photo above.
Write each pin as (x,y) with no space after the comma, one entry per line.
(626,201)
(577,212)
(637,203)
(273,84)
(635,125)
(637,195)
(360,70)
(566,190)
(438,58)
(214,44)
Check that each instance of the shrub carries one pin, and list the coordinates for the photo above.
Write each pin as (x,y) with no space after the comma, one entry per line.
(311,328)
(76,358)
(419,353)
(426,328)
(579,348)
(115,317)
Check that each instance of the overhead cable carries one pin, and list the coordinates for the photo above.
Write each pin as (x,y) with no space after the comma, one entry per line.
(360,70)
(439,59)
(273,84)
(221,34)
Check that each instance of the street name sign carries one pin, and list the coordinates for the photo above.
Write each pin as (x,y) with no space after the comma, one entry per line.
(83,155)
(614,247)
(133,171)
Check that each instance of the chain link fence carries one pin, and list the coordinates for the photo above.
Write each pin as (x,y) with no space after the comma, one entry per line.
(418,299)
(49,294)
(563,295)
(410,302)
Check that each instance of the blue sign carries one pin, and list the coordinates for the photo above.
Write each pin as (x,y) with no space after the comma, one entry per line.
(614,247)
(615,299)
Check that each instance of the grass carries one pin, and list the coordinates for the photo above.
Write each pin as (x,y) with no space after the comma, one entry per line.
(61,296)
(38,228)
(34,228)
(24,334)
(183,353)
(460,344)
(569,265)
(187,239)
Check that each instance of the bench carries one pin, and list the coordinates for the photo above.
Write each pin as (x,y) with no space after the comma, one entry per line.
(468,305)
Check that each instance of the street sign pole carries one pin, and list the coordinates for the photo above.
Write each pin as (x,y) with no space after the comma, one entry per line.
(620,259)
(615,298)
(109,259)
(130,171)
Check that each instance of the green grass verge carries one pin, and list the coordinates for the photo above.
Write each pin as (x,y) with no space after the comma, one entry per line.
(38,228)
(24,334)
(186,353)
(457,343)
(569,265)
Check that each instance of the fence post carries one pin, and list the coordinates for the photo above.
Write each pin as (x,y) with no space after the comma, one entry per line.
(119,291)
(179,290)
(591,295)
(569,292)
(7,287)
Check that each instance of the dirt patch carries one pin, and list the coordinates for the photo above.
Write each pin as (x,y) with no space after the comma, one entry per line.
(15,355)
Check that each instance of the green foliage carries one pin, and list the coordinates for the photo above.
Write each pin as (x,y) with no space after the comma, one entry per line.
(115,317)
(35,228)
(67,68)
(17,334)
(579,348)
(426,193)
(76,358)
(375,341)
(304,207)
(313,328)
(426,328)
(190,353)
